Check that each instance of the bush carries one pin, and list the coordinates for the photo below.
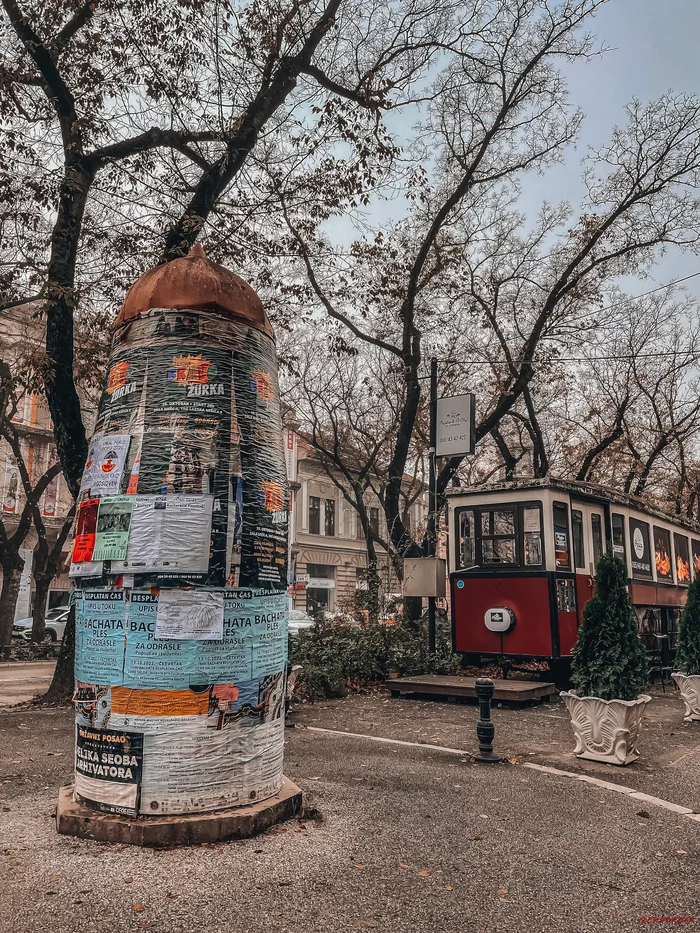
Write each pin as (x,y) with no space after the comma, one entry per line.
(609,660)
(688,652)
(336,655)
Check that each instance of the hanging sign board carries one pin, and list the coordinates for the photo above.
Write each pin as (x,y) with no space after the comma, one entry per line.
(454,435)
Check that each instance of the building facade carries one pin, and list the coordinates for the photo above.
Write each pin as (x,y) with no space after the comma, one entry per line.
(21,343)
(328,553)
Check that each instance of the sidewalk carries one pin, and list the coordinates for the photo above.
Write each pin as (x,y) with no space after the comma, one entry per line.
(23,680)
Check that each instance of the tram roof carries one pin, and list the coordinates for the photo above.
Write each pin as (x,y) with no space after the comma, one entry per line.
(576,487)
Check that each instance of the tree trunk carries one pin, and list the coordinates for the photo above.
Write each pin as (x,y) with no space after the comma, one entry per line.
(61,689)
(42,583)
(373,585)
(12,567)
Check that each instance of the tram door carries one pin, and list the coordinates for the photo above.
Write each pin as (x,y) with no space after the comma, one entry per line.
(588,533)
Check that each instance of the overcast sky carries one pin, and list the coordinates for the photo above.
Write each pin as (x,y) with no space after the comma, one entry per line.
(654,48)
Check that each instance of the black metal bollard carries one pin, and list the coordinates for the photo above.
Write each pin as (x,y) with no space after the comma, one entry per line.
(485,729)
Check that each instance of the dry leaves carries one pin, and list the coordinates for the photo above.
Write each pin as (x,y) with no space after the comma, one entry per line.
(424,872)
(138,908)
(474,837)
(360,866)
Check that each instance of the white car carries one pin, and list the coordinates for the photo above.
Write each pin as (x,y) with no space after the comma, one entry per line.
(298,621)
(55,625)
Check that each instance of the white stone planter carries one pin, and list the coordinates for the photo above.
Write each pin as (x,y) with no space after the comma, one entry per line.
(689,685)
(606,730)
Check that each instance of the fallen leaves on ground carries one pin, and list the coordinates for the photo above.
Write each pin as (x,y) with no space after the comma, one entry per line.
(138,908)
(360,866)
(474,837)
(424,872)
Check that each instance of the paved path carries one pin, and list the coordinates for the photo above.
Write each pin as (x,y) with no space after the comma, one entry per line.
(396,838)
(22,680)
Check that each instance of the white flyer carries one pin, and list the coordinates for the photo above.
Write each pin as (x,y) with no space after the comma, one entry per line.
(190,614)
(168,534)
(89,470)
(87,568)
(107,467)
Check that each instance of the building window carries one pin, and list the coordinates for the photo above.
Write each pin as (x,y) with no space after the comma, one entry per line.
(373,514)
(577,533)
(618,536)
(314,515)
(498,537)
(662,554)
(597,533)
(329,517)
(561,536)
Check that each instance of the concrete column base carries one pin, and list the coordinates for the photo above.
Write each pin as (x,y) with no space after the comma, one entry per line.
(76,819)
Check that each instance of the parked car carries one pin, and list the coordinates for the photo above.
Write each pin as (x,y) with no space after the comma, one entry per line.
(298,621)
(55,625)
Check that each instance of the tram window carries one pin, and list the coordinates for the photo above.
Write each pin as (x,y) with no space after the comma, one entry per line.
(641,559)
(561,536)
(467,539)
(577,533)
(695,547)
(618,536)
(498,537)
(532,538)
(597,532)
(680,543)
(662,554)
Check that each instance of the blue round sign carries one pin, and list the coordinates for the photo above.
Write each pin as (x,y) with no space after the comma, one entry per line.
(460,584)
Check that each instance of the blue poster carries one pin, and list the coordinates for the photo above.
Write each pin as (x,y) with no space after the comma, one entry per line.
(154,663)
(116,644)
(100,629)
(254,642)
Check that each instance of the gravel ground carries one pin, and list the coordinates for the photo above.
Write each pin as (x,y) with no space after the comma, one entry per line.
(408,839)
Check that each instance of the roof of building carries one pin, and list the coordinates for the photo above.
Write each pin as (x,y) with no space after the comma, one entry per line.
(593,490)
(195,283)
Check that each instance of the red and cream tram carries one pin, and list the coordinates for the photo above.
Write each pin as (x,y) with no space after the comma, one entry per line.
(522,559)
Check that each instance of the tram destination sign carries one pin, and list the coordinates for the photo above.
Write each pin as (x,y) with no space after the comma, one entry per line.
(454,435)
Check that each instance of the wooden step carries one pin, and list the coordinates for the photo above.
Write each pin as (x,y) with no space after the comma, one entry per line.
(512,691)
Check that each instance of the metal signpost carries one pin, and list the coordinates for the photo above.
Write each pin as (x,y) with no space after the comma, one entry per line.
(452,422)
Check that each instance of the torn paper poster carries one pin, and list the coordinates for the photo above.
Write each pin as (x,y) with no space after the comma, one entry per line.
(108,768)
(89,470)
(198,769)
(113,523)
(190,614)
(85,531)
(110,456)
(87,568)
(168,534)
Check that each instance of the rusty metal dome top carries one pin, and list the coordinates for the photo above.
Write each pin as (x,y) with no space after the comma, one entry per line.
(196,283)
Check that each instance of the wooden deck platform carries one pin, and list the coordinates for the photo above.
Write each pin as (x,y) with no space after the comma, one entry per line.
(436,685)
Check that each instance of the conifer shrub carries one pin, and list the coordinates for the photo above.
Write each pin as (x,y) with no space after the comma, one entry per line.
(688,652)
(609,660)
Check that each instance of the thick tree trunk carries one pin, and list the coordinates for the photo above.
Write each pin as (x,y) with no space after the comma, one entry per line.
(42,582)
(61,689)
(12,567)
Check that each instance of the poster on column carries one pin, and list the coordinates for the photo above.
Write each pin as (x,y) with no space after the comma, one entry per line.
(169,535)
(254,641)
(152,663)
(190,614)
(124,396)
(86,529)
(108,466)
(265,505)
(187,438)
(112,532)
(100,629)
(207,770)
(108,766)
